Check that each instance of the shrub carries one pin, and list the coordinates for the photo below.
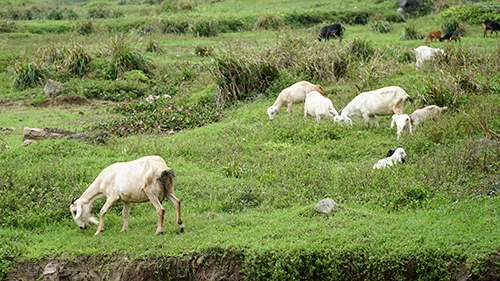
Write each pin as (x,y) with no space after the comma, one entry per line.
(102,11)
(361,49)
(204,28)
(470,13)
(452,25)
(154,47)
(203,50)
(410,32)
(268,22)
(84,27)
(28,75)
(171,26)
(7,26)
(77,60)
(380,26)
(239,77)
(124,58)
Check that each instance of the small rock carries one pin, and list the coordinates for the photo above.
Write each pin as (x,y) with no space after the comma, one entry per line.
(326,206)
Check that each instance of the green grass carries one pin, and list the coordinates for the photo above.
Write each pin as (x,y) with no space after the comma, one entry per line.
(248,185)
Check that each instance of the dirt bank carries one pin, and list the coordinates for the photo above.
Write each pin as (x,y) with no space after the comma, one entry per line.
(119,268)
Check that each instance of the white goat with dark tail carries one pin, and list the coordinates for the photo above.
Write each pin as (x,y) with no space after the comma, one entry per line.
(145,179)
(383,101)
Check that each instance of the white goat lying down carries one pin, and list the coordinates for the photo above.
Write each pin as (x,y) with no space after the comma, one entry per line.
(431,111)
(291,95)
(424,53)
(316,105)
(145,179)
(384,101)
(398,157)
(402,121)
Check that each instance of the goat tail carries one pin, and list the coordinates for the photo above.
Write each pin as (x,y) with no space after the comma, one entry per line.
(168,173)
(412,101)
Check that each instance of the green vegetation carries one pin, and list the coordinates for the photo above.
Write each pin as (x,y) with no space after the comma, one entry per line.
(248,185)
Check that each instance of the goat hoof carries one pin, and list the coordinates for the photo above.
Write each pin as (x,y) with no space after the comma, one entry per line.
(181,228)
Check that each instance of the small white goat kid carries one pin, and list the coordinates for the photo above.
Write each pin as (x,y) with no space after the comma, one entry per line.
(316,105)
(398,157)
(383,101)
(424,53)
(145,179)
(402,121)
(431,111)
(291,95)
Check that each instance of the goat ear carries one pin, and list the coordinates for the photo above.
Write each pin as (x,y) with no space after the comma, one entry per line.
(93,220)
(78,212)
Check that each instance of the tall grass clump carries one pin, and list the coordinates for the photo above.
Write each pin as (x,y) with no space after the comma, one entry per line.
(361,49)
(378,24)
(410,32)
(70,59)
(269,22)
(7,26)
(173,26)
(28,75)
(123,57)
(103,11)
(86,27)
(452,25)
(241,76)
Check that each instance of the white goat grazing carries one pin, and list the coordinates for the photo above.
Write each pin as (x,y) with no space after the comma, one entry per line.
(401,122)
(424,53)
(316,105)
(431,111)
(291,95)
(145,179)
(398,157)
(384,101)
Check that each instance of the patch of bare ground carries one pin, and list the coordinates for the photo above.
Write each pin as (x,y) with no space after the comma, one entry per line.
(65,100)
(119,268)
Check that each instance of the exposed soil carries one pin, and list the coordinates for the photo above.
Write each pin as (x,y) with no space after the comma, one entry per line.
(119,268)
(62,100)
(213,267)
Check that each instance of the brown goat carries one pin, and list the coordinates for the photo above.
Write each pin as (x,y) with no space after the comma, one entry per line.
(435,34)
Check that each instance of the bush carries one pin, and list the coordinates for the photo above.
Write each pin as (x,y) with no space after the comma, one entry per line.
(124,58)
(380,26)
(269,22)
(7,26)
(239,77)
(361,49)
(28,75)
(410,32)
(203,50)
(84,27)
(452,25)
(470,13)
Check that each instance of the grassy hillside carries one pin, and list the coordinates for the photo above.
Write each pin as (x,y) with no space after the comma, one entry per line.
(248,185)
